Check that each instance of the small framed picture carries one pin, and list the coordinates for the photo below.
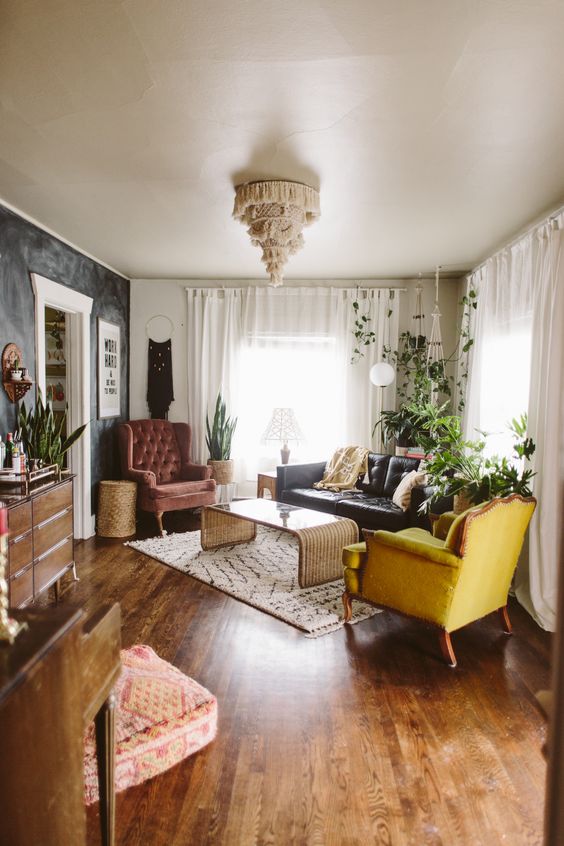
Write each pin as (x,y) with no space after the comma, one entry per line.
(109,365)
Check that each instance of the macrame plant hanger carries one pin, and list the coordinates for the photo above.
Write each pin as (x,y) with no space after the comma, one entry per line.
(435,354)
(418,319)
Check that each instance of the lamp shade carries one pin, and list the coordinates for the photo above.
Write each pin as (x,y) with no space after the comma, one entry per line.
(382,374)
(283,426)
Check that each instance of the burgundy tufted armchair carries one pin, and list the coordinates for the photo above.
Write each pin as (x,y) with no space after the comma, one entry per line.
(156,455)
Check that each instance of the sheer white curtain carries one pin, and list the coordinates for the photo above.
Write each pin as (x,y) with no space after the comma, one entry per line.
(286,348)
(516,365)
(537,581)
(214,342)
(498,388)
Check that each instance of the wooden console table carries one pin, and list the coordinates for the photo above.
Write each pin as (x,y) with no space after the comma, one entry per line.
(41,547)
(54,678)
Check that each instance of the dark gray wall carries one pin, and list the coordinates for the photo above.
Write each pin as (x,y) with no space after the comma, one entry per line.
(25,249)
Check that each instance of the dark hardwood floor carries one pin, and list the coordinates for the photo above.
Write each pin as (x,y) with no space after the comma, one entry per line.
(363,736)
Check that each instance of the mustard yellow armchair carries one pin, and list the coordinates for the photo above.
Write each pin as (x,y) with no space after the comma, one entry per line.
(450,578)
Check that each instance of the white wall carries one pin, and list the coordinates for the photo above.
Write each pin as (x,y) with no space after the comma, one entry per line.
(150,297)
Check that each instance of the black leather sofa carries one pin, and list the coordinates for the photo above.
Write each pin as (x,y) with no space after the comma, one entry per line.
(370,505)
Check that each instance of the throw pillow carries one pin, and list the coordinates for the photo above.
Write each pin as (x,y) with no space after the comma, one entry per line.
(402,494)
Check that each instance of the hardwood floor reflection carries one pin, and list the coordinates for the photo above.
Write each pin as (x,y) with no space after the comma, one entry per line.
(363,736)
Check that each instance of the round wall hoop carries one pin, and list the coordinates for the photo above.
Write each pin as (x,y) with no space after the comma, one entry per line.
(167,331)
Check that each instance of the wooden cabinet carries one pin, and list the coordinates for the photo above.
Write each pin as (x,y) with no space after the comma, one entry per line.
(41,546)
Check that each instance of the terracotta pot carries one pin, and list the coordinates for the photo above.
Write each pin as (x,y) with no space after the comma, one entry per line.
(222,471)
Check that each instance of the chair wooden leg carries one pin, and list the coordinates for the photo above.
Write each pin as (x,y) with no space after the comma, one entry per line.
(446,648)
(505,621)
(347,605)
(105,756)
(57,586)
(159,516)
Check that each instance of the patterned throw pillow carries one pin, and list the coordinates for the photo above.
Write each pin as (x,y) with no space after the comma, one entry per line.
(402,494)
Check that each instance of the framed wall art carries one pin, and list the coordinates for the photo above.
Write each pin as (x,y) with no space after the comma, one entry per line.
(109,363)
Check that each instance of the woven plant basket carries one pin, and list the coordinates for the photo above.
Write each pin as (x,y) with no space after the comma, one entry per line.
(222,471)
(116,509)
(461,503)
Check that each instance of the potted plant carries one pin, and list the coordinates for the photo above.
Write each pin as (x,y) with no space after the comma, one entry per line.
(42,433)
(219,435)
(459,467)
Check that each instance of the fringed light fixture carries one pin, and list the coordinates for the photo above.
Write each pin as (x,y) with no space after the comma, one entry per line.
(275,213)
(435,354)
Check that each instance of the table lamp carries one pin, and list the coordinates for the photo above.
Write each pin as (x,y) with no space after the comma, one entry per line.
(283,427)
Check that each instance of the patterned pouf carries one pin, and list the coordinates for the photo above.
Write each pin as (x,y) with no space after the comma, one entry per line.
(162,716)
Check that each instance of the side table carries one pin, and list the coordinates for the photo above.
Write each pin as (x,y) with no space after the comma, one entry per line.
(266,482)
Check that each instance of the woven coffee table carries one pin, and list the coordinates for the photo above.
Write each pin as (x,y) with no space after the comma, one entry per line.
(321,537)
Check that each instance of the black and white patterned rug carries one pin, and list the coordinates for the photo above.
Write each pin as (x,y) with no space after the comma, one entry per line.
(263,573)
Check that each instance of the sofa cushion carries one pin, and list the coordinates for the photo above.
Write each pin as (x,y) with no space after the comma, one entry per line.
(373,512)
(397,468)
(180,488)
(310,498)
(376,476)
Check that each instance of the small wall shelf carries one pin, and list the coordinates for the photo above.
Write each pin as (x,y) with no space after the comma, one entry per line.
(15,388)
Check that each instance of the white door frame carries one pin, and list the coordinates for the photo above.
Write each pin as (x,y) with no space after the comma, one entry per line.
(79,308)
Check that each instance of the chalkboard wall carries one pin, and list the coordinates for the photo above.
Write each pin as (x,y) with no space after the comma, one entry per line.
(25,249)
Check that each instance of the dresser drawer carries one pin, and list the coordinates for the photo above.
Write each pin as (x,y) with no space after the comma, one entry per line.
(51,502)
(21,588)
(47,569)
(52,531)
(20,553)
(19,519)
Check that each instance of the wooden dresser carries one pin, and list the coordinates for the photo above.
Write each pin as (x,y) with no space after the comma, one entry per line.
(41,547)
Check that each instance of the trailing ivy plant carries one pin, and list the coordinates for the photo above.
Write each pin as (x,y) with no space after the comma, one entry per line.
(416,381)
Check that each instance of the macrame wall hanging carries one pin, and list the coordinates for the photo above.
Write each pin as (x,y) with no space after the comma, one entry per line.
(160,391)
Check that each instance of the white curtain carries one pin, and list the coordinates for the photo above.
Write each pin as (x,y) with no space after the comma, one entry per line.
(291,348)
(516,365)
(214,342)
(537,583)
(498,385)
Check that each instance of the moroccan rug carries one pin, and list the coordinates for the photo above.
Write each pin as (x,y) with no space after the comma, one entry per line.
(262,573)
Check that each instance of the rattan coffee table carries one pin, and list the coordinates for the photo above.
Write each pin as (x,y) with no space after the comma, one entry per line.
(321,537)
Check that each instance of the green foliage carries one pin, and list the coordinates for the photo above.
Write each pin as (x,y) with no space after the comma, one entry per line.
(417,382)
(459,466)
(220,434)
(42,433)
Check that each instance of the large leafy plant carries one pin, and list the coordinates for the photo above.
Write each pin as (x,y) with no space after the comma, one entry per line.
(42,433)
(219,433)
(459,466)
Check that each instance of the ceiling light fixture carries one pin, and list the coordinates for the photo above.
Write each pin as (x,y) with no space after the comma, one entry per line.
(275,212)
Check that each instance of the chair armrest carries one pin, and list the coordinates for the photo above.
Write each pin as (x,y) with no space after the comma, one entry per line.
(196,472)
(298,475)
(442,525)
(142,477)
(422,549)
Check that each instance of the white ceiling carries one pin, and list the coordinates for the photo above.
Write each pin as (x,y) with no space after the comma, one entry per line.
(434,130)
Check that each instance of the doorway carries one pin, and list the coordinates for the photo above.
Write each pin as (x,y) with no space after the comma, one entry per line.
(57,368)
(55,303)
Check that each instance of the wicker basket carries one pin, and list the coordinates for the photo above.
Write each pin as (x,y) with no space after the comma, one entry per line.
(461,503)
(222,471)
(116,509)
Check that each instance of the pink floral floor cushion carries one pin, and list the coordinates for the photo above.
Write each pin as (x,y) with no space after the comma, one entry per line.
(162,716)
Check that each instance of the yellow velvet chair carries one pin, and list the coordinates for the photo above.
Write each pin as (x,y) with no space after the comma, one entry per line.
(450,578)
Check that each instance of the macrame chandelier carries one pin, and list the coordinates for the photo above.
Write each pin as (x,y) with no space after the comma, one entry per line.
(275,213)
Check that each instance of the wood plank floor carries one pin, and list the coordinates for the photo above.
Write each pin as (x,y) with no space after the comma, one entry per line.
(363,736)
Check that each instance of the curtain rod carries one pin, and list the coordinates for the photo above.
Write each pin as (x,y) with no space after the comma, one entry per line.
(554,215)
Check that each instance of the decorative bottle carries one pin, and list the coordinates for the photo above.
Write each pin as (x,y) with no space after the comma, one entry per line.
(9,450)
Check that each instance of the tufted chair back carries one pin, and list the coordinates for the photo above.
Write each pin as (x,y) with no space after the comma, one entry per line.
(160,446)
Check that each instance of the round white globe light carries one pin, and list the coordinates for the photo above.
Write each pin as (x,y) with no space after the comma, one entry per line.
(382,374)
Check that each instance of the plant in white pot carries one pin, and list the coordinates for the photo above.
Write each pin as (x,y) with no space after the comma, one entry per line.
(219,435)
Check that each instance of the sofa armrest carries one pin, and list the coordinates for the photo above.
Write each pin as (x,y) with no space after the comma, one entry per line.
(298,475)
(419,494)
(196,472)
(142,477)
